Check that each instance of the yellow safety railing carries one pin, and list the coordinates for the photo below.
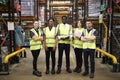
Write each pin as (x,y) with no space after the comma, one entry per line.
(6,59)
(106,32)
(108,54)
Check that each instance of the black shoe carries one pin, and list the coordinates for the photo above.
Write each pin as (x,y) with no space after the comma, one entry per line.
(85,73)
(69,70)
(75,70)
(58,71)
(47,72)
(91,75)
(79,70)
(37,73)
(53,71)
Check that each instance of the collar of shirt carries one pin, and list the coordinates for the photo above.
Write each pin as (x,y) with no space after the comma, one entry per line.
(89,29)
(64,25)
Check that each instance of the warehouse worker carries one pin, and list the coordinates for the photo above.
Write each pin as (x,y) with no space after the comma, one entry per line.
(50,43)
(35,45)
(78,46)
(64,30)
(89,46)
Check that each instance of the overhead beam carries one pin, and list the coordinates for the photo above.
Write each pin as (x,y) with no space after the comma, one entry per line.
(60,9)
(61,5)
(61,13)
(23,19)
(80,3)
(94,19)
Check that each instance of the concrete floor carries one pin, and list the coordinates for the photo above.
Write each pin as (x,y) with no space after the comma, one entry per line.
(23,70)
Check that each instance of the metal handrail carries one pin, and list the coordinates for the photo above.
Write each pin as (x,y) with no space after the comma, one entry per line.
(108,54)
(4,39)
(6,59)
(116,39)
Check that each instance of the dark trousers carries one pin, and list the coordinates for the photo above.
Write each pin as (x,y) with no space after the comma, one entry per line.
(91,53)
(52,52)
(35,54)
(78,55)
(61,48)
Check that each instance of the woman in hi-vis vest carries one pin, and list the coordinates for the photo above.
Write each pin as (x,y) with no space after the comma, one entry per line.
(78,46)
(35,45)
(50,43)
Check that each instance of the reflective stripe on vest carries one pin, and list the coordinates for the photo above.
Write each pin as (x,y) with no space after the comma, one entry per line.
(50,36)
(78,43)
(64,31)
(90,44)
(34,45)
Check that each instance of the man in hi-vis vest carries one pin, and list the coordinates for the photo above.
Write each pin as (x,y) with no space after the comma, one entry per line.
(89,46)
(64,32)
(35,45)
(50,43)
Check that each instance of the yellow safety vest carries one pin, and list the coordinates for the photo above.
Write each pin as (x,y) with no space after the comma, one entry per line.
(63,32)
(50,36)
(78,43)
(35,45)
(90,44)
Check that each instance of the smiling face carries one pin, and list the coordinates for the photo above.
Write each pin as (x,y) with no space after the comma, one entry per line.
(79,24)
(51,23)
(64,19)
(36,24)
